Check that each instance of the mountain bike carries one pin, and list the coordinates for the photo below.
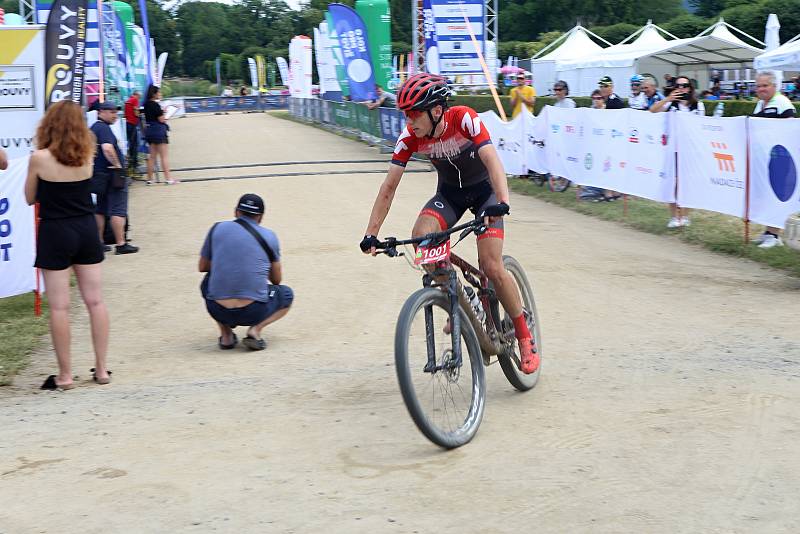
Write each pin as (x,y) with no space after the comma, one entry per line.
(449,330)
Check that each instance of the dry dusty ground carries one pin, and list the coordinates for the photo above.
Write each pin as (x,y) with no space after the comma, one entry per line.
(669,400)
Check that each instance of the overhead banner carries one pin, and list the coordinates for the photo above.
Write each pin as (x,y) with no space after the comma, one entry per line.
(712,162)
(457,53)
(378,19)
(65,51)
(21,87)
(17,232)
(774,162)
(353,41)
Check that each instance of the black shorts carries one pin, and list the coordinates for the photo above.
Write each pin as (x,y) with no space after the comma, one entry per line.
(450,203)
(256,312)
(111,201)
(65,242)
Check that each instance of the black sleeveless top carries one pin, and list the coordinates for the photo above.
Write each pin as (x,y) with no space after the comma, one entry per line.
(59,200)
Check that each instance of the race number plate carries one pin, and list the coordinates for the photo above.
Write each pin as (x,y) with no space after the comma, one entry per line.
(427,255)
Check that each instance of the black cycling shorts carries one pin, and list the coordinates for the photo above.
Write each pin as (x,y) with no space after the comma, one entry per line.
(450,203)
(66,242)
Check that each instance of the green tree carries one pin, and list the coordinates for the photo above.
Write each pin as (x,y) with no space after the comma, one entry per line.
(164,31)
(686,25)
(616,32)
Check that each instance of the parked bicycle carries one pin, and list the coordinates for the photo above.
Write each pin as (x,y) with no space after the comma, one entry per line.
(444,387)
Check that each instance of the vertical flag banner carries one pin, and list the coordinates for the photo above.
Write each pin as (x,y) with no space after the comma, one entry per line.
(152,66)
(146,27)
(336,54)
(300,68)
(161,65)
(17,232)
(353,41)
(456,52)
(712,162)
(65,51)
(283,68)
(217,68)
(124,13)
(139,59)
(253,68)
(259,81)
(774,162)
(429,29)
(378,19)
(115,61)
(324,49)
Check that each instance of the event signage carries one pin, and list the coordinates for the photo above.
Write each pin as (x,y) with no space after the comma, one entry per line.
(255,82)
(283,68)
(774,164)
(429,31)
(712,162)
(392,123)
(300,64)
(352,33)
(17,90)
(65,51)
(336,54)
(326,66)
(509,141)
(455,23)
(146,28)
(17,228)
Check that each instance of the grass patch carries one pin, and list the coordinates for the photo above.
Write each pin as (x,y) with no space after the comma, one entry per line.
(20,331)
(714,231)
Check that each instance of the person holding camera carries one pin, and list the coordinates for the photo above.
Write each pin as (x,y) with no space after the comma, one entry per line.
(109,183)
(683,99)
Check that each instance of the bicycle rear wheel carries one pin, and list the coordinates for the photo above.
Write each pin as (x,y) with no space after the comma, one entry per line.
(509,364)
(558,184)
(446,404)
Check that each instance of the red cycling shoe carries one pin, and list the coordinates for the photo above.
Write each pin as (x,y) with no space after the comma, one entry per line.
(528,356)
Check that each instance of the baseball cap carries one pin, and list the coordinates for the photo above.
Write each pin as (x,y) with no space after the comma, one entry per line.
(605,81)
(108,106)
(251,203)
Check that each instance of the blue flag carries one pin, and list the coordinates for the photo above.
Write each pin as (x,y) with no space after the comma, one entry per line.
(146,28)
(352,35)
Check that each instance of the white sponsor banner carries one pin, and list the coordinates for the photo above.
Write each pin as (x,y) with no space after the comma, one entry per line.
(17,232)
(326,69)
(535,132)
(22,80)
(650,163)
(774,163)
(508,139)
(17,88)
(712,162)
(564,142)
(604,150)
(300,58)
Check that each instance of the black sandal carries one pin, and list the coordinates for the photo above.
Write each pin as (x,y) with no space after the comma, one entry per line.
(228,347)
(101,381)
(254,343)
(50,384)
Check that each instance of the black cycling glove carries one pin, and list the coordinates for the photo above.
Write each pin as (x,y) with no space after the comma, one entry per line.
(498,210)
(368,242)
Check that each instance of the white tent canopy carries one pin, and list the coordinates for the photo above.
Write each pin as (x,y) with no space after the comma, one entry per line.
(573,44)
(651,53)
(785,57)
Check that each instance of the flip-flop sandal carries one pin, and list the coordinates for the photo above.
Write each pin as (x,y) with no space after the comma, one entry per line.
(50,384)
(101,381)
(228,347)
(254,344)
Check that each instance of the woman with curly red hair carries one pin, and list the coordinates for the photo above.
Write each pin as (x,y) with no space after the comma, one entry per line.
(58,178)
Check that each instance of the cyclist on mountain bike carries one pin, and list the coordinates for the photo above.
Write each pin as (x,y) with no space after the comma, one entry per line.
(471,176)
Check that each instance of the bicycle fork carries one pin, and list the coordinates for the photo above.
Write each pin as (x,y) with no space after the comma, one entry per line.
(454,362)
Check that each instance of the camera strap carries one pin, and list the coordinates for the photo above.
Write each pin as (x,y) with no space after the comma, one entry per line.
(270,254)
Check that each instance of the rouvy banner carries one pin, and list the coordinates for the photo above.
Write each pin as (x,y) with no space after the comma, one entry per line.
(17,232)
(508,139)
(353,41)
(774,160)
(65,51)
(712,162)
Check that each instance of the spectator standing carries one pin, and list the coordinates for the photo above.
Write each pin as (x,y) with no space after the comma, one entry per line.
(637,100)
(132,129)
(771,104)
(242,287)
(612,100)
(650,92)
(522,95)
(561,90)
(682,99)
(384,99)
(243,91)
(58,178)
(108,180)
(156,135)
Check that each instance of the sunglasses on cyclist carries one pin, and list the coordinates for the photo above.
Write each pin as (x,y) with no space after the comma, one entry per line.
(413,114)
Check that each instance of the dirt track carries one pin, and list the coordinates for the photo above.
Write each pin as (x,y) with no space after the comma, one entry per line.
(669,399)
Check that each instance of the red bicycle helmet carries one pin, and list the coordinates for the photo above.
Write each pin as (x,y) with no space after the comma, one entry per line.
(422,92)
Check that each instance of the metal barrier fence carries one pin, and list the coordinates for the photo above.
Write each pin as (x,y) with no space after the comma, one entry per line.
(216,104)
(382,123)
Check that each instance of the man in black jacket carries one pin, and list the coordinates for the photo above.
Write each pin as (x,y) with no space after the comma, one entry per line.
(613,101)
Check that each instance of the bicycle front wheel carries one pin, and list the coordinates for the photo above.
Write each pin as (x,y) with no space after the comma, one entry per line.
(444,397)
(510,365)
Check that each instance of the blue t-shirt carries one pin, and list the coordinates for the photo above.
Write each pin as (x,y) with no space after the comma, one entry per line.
(239,266)
(102,131)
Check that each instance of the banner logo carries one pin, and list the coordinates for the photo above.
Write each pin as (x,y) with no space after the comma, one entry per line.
(782,173)
(724,161)
(616,133)
(588,161)
(634,137)
(65,51)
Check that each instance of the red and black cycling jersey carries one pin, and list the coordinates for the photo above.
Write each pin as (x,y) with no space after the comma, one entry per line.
(455,153)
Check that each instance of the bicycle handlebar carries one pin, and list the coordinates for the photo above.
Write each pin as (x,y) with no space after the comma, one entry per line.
(389,246)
